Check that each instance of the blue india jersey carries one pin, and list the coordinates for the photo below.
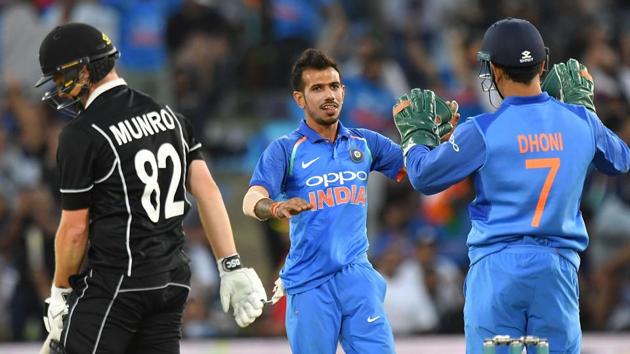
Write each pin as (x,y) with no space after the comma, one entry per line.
(528,162)
(331,176)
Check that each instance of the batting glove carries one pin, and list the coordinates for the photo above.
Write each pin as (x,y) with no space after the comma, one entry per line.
(56,309)
(242,289)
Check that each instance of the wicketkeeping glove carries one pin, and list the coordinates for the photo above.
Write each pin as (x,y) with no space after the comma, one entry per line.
(415,118)
(570,83)
(242,289)
(446,111)
(56,308)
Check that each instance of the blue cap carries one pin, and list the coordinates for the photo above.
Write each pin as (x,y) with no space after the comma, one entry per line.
(513,42)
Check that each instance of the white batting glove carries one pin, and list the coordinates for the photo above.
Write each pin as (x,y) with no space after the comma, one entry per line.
(278,291)
(46,347)
(242,289)
(56,309)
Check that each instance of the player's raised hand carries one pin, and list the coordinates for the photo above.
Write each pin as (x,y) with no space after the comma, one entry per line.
(241,289)
(415,118)
(286,209)
(570,82)
(447,109)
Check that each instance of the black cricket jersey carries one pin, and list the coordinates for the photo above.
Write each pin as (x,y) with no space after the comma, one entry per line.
(126,157)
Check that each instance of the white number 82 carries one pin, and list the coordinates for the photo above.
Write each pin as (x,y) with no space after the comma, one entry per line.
(171,207)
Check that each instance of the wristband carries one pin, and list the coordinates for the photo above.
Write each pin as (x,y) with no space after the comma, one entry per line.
(229,263)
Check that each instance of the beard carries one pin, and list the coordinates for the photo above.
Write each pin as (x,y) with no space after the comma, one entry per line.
(321,117)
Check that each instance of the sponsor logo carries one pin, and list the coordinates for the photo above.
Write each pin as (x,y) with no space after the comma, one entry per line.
(526,56)
(306,164)
(106,39)
(231,263)
(372,319)
(340,178)
(333,196)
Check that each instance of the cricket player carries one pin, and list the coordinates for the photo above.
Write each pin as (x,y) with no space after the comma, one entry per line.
(528,161)
(125,165)
(317,176)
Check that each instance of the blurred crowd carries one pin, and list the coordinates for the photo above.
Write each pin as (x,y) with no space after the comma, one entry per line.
(225,65)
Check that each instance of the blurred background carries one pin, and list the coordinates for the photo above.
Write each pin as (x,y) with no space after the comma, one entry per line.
(225,65)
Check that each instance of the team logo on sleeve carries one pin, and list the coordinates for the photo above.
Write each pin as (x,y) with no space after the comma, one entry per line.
(356,155)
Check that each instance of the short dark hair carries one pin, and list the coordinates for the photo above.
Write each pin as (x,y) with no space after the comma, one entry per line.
(310,59)
(524,75)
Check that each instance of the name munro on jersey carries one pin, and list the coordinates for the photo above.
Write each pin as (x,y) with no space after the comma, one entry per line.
(140,126)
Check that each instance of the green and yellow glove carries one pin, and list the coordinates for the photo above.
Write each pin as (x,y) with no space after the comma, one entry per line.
(447,112)
(416,118)
(570,83)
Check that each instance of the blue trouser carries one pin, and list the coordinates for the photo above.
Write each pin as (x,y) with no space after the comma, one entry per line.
(348,308)
(523,290)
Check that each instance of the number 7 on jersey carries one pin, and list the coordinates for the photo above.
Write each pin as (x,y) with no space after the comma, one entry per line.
(553,164)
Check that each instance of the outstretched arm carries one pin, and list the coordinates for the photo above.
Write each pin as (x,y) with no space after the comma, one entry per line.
(257,204)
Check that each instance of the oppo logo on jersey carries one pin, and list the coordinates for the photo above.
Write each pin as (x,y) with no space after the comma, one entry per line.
(138,127)
(332,196)
(334,177)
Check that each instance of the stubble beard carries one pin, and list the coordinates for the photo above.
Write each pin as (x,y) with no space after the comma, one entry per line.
(321,118)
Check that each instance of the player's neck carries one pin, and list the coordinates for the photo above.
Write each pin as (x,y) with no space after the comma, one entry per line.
(111,76)
(513,88)
(328,132)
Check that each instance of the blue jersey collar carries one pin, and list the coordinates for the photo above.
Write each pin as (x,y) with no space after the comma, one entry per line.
(313,136)
(518,100)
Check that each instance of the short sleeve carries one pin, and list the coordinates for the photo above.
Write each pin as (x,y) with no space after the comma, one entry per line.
(387,156)
(75,164)
(271,169)
(193,145)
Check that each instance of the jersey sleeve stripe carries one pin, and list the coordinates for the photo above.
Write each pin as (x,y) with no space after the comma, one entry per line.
(80,190)
(293,151)
(111,170)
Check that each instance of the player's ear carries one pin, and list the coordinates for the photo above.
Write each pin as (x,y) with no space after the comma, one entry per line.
(496,72)
(298,97)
